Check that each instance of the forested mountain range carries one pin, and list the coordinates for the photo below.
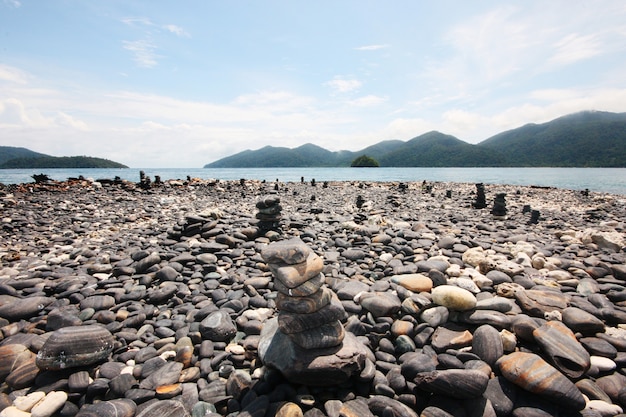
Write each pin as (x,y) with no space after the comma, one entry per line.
(14,157)
(585,139)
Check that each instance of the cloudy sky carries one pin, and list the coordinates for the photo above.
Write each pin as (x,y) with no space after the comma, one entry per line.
(154,83)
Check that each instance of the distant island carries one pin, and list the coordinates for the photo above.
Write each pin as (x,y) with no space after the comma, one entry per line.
(585,139)
(22,158)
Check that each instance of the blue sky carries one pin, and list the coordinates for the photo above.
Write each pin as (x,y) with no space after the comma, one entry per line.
(180,84)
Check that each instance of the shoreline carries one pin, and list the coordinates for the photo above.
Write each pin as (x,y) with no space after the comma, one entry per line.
(151,264)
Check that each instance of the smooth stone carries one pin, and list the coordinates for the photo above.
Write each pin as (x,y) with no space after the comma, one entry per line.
(416,362)
(456,383)
(413,282)
(75,346)
(602,363)
(289,409)
(310,366)
(562,348)
(23,308)
(500,304)
(307,288)
(612,385)
(27,402)
(294,322)
(453,298)
(446,338)
(531,373)
(78,381)
(113,408)
(353,254)
(294,275)
(164,408)
(380,304)
(306,304)
(580,321)
(385,406)
(589,388)
(327,335)
(538,302)
(435,316)
(291,251)
(97,302)
(218,327)
(502,394)
(605,409)
(487,344)
(53,402)
(167,374)
(12,411)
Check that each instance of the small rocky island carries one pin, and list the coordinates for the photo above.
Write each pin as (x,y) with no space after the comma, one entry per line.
(245,298)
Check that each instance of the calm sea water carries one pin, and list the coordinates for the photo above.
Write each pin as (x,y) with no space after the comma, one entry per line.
(610,180)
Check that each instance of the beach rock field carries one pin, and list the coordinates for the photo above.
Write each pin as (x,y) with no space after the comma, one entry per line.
(124,299)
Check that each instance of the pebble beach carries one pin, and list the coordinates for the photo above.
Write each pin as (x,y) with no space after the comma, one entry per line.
(118,299)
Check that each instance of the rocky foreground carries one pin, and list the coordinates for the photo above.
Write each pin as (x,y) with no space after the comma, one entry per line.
(119,300)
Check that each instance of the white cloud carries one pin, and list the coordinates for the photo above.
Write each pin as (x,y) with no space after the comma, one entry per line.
(135,21)
(368,101)
(12,74)
(574,47)
(13,3)
(372,47)
(177,30)
(143,52)
(341,85)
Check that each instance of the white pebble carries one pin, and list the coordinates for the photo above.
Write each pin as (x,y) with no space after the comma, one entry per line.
(49,405)
(604,408)
(27,402)
(127,370)
(168,354)
(602,363)
(13,411)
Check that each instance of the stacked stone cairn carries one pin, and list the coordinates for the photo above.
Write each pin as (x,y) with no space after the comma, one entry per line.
(499,206)
(269,214)
(481,201)
(306,342)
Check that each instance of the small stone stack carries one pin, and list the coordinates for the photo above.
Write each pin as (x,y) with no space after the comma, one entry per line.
(499,206)
(534,217)
(308,314)
(307,341)
(481,201)
(269,213)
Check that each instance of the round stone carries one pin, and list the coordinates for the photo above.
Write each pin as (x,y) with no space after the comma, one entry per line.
(454,298)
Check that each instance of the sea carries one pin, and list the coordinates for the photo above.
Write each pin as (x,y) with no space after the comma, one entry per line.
(606,180)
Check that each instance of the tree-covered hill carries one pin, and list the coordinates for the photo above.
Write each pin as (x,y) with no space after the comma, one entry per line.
(22,158)
(11,152)
(434,149)
(586,139)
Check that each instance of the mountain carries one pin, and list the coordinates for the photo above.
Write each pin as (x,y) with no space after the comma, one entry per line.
(10,152)
(307,155)
(585,139)
(22,158)
(434,149)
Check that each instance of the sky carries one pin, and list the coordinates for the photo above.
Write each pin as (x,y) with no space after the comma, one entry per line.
(165,84)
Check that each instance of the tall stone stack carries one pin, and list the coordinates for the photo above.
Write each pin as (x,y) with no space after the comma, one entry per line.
(306,342)
(269,214)
(481,201)
(499,206)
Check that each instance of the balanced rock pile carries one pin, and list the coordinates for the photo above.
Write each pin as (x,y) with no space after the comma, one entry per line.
(499,206)
(481,201)
(269,213)
(307,341)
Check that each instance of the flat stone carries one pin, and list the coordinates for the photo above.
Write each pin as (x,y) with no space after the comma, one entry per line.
(318,367)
